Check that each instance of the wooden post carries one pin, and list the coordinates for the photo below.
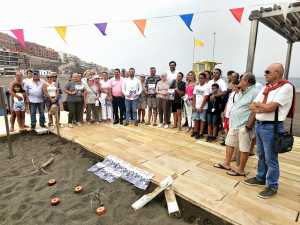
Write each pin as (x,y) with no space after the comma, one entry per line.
(3,105)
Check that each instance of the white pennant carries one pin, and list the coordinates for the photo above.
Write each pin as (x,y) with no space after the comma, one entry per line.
(285,9)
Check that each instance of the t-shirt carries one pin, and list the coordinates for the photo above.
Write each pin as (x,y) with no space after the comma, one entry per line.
(116,86)
(91,95)
(222,84)
(283,96)
(231,99)
(214,106)
(34,90)
(200,91)
(162,87)
(78,87)
(190,90)
(151,83)
(171,76)
(131,88)
(180,86)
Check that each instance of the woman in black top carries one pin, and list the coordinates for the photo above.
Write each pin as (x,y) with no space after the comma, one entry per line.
(177,105)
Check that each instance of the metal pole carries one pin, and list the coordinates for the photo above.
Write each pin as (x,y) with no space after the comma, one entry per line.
(3,105)
(214,45)
(288,60)
(252,45)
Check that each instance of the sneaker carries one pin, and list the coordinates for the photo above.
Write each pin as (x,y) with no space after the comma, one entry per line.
(97,123)
(253,182)
(267,193)
(197,136)
(193,134)
(160,125)
(78,124)
(115,122)
(126,124)
(166,126)
(121,122)
(70,125)
(43,126)
(154,124)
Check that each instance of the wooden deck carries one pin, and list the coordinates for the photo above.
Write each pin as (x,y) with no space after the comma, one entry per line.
(167,151)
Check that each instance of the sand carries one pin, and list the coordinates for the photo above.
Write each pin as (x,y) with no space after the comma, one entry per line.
(25,198)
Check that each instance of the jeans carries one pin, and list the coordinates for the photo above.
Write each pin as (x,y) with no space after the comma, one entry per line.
(33,107)
(75,112)
(118,104)
(131,107)
(268,165)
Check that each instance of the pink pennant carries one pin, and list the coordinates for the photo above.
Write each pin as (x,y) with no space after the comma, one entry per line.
(237,13)
(19,34)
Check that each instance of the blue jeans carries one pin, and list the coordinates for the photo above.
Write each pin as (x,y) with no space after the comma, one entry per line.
(268,165)
(33,107)
(131,106)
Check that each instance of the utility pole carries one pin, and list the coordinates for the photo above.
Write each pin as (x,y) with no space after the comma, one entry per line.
(214,45)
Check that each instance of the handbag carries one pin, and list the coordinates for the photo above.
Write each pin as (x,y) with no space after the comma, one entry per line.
(283,141)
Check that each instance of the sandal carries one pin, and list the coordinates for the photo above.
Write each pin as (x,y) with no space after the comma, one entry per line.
(220,166)
(235,174)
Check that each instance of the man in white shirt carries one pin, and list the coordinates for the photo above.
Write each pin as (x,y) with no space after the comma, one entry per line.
(277,94)
(171,77)
(217,79)
(131,89)
(34,91)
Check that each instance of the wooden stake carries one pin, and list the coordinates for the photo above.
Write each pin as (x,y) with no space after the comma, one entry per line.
(173,208)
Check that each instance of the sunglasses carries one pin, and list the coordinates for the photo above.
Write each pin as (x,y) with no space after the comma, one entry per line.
(267,72)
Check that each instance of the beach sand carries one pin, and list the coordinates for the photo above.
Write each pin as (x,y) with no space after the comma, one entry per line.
(25,198)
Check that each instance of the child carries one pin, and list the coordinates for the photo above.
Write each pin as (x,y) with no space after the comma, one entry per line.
(142,102)
(201,93)
(214,111)
(19,97)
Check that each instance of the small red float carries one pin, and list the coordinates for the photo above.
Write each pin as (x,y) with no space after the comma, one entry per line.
(55,201)
(78,189)
(101,210)
(51,182)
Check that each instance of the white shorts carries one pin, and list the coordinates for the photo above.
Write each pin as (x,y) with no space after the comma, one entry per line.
(239,138)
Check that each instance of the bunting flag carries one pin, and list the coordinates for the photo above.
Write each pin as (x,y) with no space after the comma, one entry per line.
(237,13)
(101,27)
(198,43)
(141,24)
(187,19)
(19,34)
(61,30)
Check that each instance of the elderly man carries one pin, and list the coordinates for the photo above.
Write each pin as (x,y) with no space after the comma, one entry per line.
(131,89)
(277,95)
(240,130)
(34,90)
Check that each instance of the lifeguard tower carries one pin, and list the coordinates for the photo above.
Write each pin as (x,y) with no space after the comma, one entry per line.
(201,66)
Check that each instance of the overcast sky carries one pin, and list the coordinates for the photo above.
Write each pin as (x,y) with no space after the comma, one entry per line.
(166,39)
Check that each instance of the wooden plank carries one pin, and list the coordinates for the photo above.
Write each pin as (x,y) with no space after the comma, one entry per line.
(173,208)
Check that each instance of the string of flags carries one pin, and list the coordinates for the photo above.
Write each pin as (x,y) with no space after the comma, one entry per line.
(140,24)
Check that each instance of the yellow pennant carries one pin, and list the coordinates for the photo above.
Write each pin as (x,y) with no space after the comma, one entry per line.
(199,43)
(61,30)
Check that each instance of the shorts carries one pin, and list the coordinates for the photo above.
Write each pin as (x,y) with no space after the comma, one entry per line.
(142,104)
(213,119)
(199,116)
(19,106)
(152,102)
(226,123)
(177,105)
(239,138)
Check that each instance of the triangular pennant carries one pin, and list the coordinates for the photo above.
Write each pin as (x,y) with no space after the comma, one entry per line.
(141,24)
(19,34)
(187,19)
(237,13)
(101,27)
(61,30)
(284,9)
(199,43)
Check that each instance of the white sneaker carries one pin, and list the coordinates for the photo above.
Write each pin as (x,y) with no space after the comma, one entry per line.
(79,124)
(89,123)
(97,123)
(160,125)
(70,125)
(166,126)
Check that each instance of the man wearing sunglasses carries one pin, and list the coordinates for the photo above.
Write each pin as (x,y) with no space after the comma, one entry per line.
(276,94)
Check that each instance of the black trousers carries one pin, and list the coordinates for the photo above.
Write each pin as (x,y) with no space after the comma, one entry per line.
(118,103)
(75,112)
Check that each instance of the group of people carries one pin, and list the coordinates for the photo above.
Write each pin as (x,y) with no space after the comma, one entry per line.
(241,109)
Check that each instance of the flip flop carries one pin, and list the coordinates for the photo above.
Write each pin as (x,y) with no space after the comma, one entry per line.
(220,166)
(235,174)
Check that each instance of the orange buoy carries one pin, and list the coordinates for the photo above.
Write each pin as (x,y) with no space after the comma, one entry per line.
(78,189)
(51,182)
(101,210)
(55,201)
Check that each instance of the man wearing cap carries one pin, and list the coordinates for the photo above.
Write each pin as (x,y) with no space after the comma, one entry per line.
(34,90)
